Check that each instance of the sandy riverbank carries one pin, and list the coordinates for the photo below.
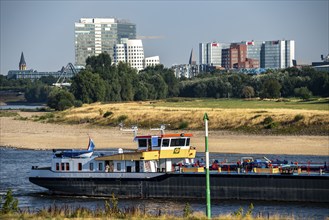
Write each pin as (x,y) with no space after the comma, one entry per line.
(36,135)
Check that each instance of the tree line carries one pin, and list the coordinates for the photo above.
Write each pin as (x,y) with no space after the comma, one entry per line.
(290,82)
(106,82)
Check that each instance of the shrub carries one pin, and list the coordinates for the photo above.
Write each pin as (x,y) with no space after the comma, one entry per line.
(187,210)
(183,125)
(268,120)
(107,114)
(303,92)
(10,204)
(60,99)
(77,103)
(122,118)
(272,125)
(298,117)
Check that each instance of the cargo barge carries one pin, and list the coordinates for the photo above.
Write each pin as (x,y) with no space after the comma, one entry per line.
(164,166)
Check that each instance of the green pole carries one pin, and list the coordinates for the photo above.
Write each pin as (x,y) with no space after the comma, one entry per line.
(205,118)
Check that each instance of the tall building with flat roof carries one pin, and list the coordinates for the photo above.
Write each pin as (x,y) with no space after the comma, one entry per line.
(211,53)
(94,36)
(278,54)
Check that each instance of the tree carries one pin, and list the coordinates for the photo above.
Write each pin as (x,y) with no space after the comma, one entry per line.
(126,78)
(141,92)
(37,92)
(248,92)
(60,99)
(319,84)
(88,87)
(303,93)
(271,88)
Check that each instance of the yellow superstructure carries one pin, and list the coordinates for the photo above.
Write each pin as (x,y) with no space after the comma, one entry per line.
(153,154)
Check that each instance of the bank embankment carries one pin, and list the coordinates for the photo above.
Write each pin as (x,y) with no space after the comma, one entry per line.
(37,135)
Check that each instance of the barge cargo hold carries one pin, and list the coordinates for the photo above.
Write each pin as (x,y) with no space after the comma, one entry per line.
(274,187)
(164,167)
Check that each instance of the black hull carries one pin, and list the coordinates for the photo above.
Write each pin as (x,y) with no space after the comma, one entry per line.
(179,186)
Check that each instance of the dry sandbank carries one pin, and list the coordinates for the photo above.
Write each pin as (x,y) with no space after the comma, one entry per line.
(36,135)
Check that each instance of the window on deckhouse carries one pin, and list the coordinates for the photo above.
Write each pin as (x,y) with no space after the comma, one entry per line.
(177,142)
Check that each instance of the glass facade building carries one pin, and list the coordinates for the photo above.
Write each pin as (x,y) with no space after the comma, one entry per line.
(264,54)
(278,54)
(211,53)
(96,35)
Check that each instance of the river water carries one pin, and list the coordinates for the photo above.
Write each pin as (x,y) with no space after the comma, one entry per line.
(16,107)
(15,165)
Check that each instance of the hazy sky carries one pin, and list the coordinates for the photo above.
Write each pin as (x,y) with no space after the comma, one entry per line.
(44,30)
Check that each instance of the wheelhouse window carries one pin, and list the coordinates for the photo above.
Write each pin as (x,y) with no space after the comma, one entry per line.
(79,166)
(177,142)
(187,141)
(67,166)
(118,166)
(62,166)
(91,166)
(57,166)
(142,142)
(165,143)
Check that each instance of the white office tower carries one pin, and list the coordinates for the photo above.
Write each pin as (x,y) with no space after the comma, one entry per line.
(130,51)
(94,36)
(290,52)
(135,54)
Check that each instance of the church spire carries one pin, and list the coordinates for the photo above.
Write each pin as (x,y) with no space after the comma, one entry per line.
(22,63)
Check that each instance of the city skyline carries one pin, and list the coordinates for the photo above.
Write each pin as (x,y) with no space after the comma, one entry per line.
(44,31)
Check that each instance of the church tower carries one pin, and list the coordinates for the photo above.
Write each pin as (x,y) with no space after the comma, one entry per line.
(22,64)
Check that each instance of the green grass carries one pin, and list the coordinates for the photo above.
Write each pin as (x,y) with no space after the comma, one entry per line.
(4,113)
(315,104)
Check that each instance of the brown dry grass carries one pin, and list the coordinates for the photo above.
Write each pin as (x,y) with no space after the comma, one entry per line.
(147,115)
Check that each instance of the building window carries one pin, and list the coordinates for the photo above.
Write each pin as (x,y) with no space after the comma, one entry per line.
(79,166)
(118,166)
(91,166)
(100,166)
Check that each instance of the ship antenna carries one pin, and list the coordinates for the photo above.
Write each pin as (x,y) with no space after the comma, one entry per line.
(134,129)
(161,129)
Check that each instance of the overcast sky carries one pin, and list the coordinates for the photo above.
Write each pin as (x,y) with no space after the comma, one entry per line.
(44,30)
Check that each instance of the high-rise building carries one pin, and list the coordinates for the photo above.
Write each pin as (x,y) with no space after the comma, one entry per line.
(254,49)
(97,35)
(131,51)
(210,53)
(278,54)
(247,54)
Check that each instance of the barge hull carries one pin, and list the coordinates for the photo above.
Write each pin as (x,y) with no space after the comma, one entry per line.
(190,186)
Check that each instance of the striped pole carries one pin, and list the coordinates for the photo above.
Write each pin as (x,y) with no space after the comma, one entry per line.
(205,118)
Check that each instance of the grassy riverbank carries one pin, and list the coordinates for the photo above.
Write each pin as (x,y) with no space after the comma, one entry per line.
(9,210)
(287,116)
